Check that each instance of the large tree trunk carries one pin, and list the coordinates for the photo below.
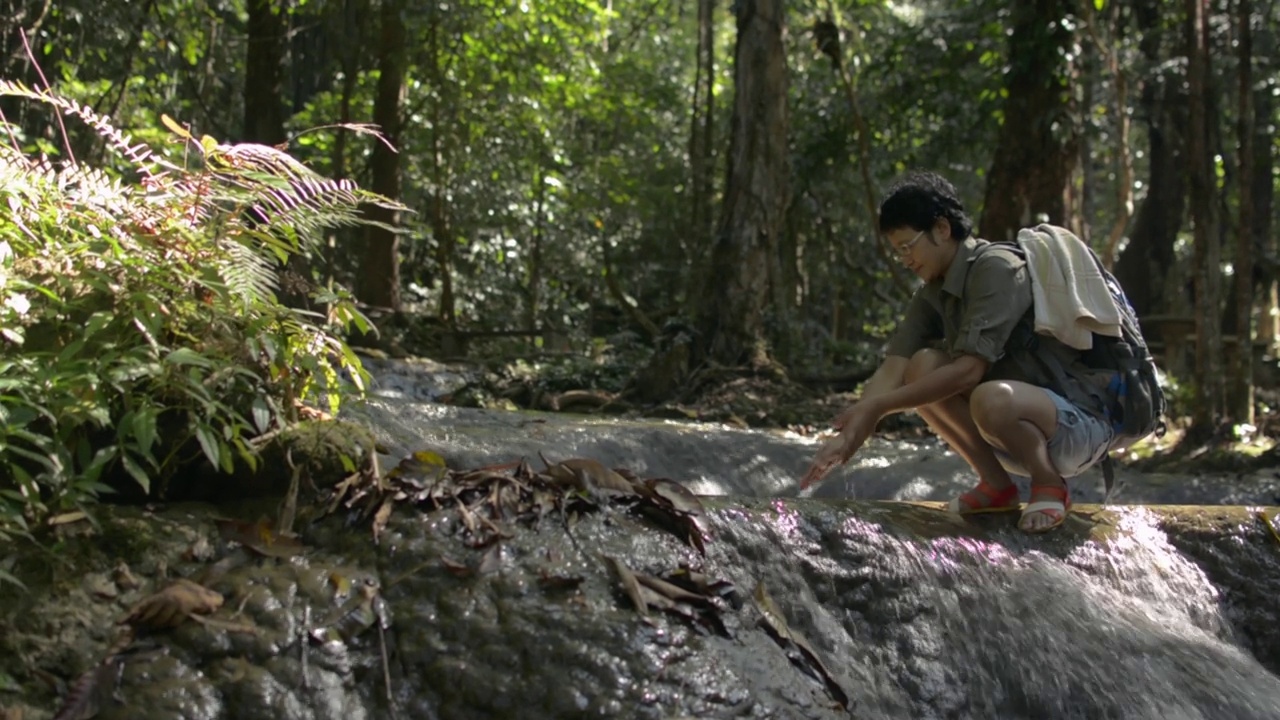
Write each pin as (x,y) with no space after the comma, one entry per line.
(1241,400)
(263,73)
(731,319)
(264,115)
(1210,386)
(1263,195)
(1144,264)
(1039,139)
(379,284)
(701,154)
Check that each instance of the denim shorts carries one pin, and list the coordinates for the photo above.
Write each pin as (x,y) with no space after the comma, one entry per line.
(1080,442)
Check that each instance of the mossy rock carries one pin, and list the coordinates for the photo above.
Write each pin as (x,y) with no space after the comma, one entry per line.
(323,451)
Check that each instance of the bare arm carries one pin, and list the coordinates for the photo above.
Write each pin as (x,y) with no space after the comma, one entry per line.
(885,393)
(958,376)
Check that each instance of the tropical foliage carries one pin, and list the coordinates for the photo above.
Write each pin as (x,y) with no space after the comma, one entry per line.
(139,313)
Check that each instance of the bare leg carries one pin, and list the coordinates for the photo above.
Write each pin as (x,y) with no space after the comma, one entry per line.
(1020,418)
(952,420)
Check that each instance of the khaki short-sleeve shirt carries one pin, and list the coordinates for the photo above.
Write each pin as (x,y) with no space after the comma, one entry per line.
(972,310)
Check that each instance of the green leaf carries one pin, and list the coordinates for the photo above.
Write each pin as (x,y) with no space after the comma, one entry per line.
(96,323)
(261,414)
(187,356)
(7,578)
(209,444)
(139,474)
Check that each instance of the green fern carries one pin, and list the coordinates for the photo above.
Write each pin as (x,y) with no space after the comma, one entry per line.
(122,303)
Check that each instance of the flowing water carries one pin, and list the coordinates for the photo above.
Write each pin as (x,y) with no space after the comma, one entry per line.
(1142,611)
(1155,614)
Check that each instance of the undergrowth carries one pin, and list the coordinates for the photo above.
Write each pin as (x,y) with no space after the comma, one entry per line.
(140,328)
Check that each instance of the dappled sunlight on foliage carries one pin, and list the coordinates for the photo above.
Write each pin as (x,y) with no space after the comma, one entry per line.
(141,326)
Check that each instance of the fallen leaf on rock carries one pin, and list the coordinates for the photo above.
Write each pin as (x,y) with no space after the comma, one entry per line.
(458,569)
(382,517)
(226,625)
(124,577)
(630,585)
(1270,523)
(678,496)
(776,624)
(90,691)
(102,588)
(704,584)
(588,476)
(673,592)
(340,583)
(259,537)
(200,551)
(420,465)
(172,606)
(353,617)
(491,561)
(559,582)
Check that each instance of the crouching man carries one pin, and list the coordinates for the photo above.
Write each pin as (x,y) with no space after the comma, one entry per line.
(965,358)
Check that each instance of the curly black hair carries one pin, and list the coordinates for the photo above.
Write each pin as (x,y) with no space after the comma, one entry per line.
(917,199)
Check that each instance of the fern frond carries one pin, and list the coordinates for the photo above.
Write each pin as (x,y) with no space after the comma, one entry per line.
(248,275)
(140,155)
(251,158)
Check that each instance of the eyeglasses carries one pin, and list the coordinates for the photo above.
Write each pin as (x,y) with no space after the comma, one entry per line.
(904,250)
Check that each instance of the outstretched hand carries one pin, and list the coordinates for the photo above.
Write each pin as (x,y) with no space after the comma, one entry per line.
(855,425)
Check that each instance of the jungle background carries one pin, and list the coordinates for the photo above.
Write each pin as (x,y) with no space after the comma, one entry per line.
(669,206)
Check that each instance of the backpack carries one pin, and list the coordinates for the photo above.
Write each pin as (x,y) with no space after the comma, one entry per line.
(1135,399)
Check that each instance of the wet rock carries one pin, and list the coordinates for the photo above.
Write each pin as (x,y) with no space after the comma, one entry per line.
(898,608)
(318,452)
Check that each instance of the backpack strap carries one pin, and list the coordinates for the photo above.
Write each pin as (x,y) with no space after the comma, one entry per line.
(1108,478)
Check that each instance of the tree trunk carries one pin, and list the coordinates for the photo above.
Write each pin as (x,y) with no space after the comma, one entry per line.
(1144,265)
(1263,195)
(441,219)
(379,284)
(1039,139)
(731,319)
(1210,385)
(701,153)
(263,73)
(264,117)
(1241,404)
(1103,41)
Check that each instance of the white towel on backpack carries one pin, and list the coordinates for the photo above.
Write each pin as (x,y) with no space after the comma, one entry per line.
(1071,297)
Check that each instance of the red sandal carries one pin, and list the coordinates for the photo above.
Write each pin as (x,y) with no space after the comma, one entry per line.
(985,499)
(1051,500)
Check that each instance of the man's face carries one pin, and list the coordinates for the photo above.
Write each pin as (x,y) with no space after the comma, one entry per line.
(919,250)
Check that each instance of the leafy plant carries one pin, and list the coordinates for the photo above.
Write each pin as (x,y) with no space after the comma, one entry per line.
(140,327)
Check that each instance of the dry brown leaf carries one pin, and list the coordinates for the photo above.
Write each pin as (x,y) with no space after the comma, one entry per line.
(456,568)
(672,591)
(382,517)
(589,476)
(776,623)
(630,585)
(171,606)
(491,561)
(259,537)
(680,497)
(90,690)
(559,582)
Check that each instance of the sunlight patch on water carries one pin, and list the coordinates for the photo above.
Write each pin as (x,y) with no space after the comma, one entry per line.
(914,489)
(703,485)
